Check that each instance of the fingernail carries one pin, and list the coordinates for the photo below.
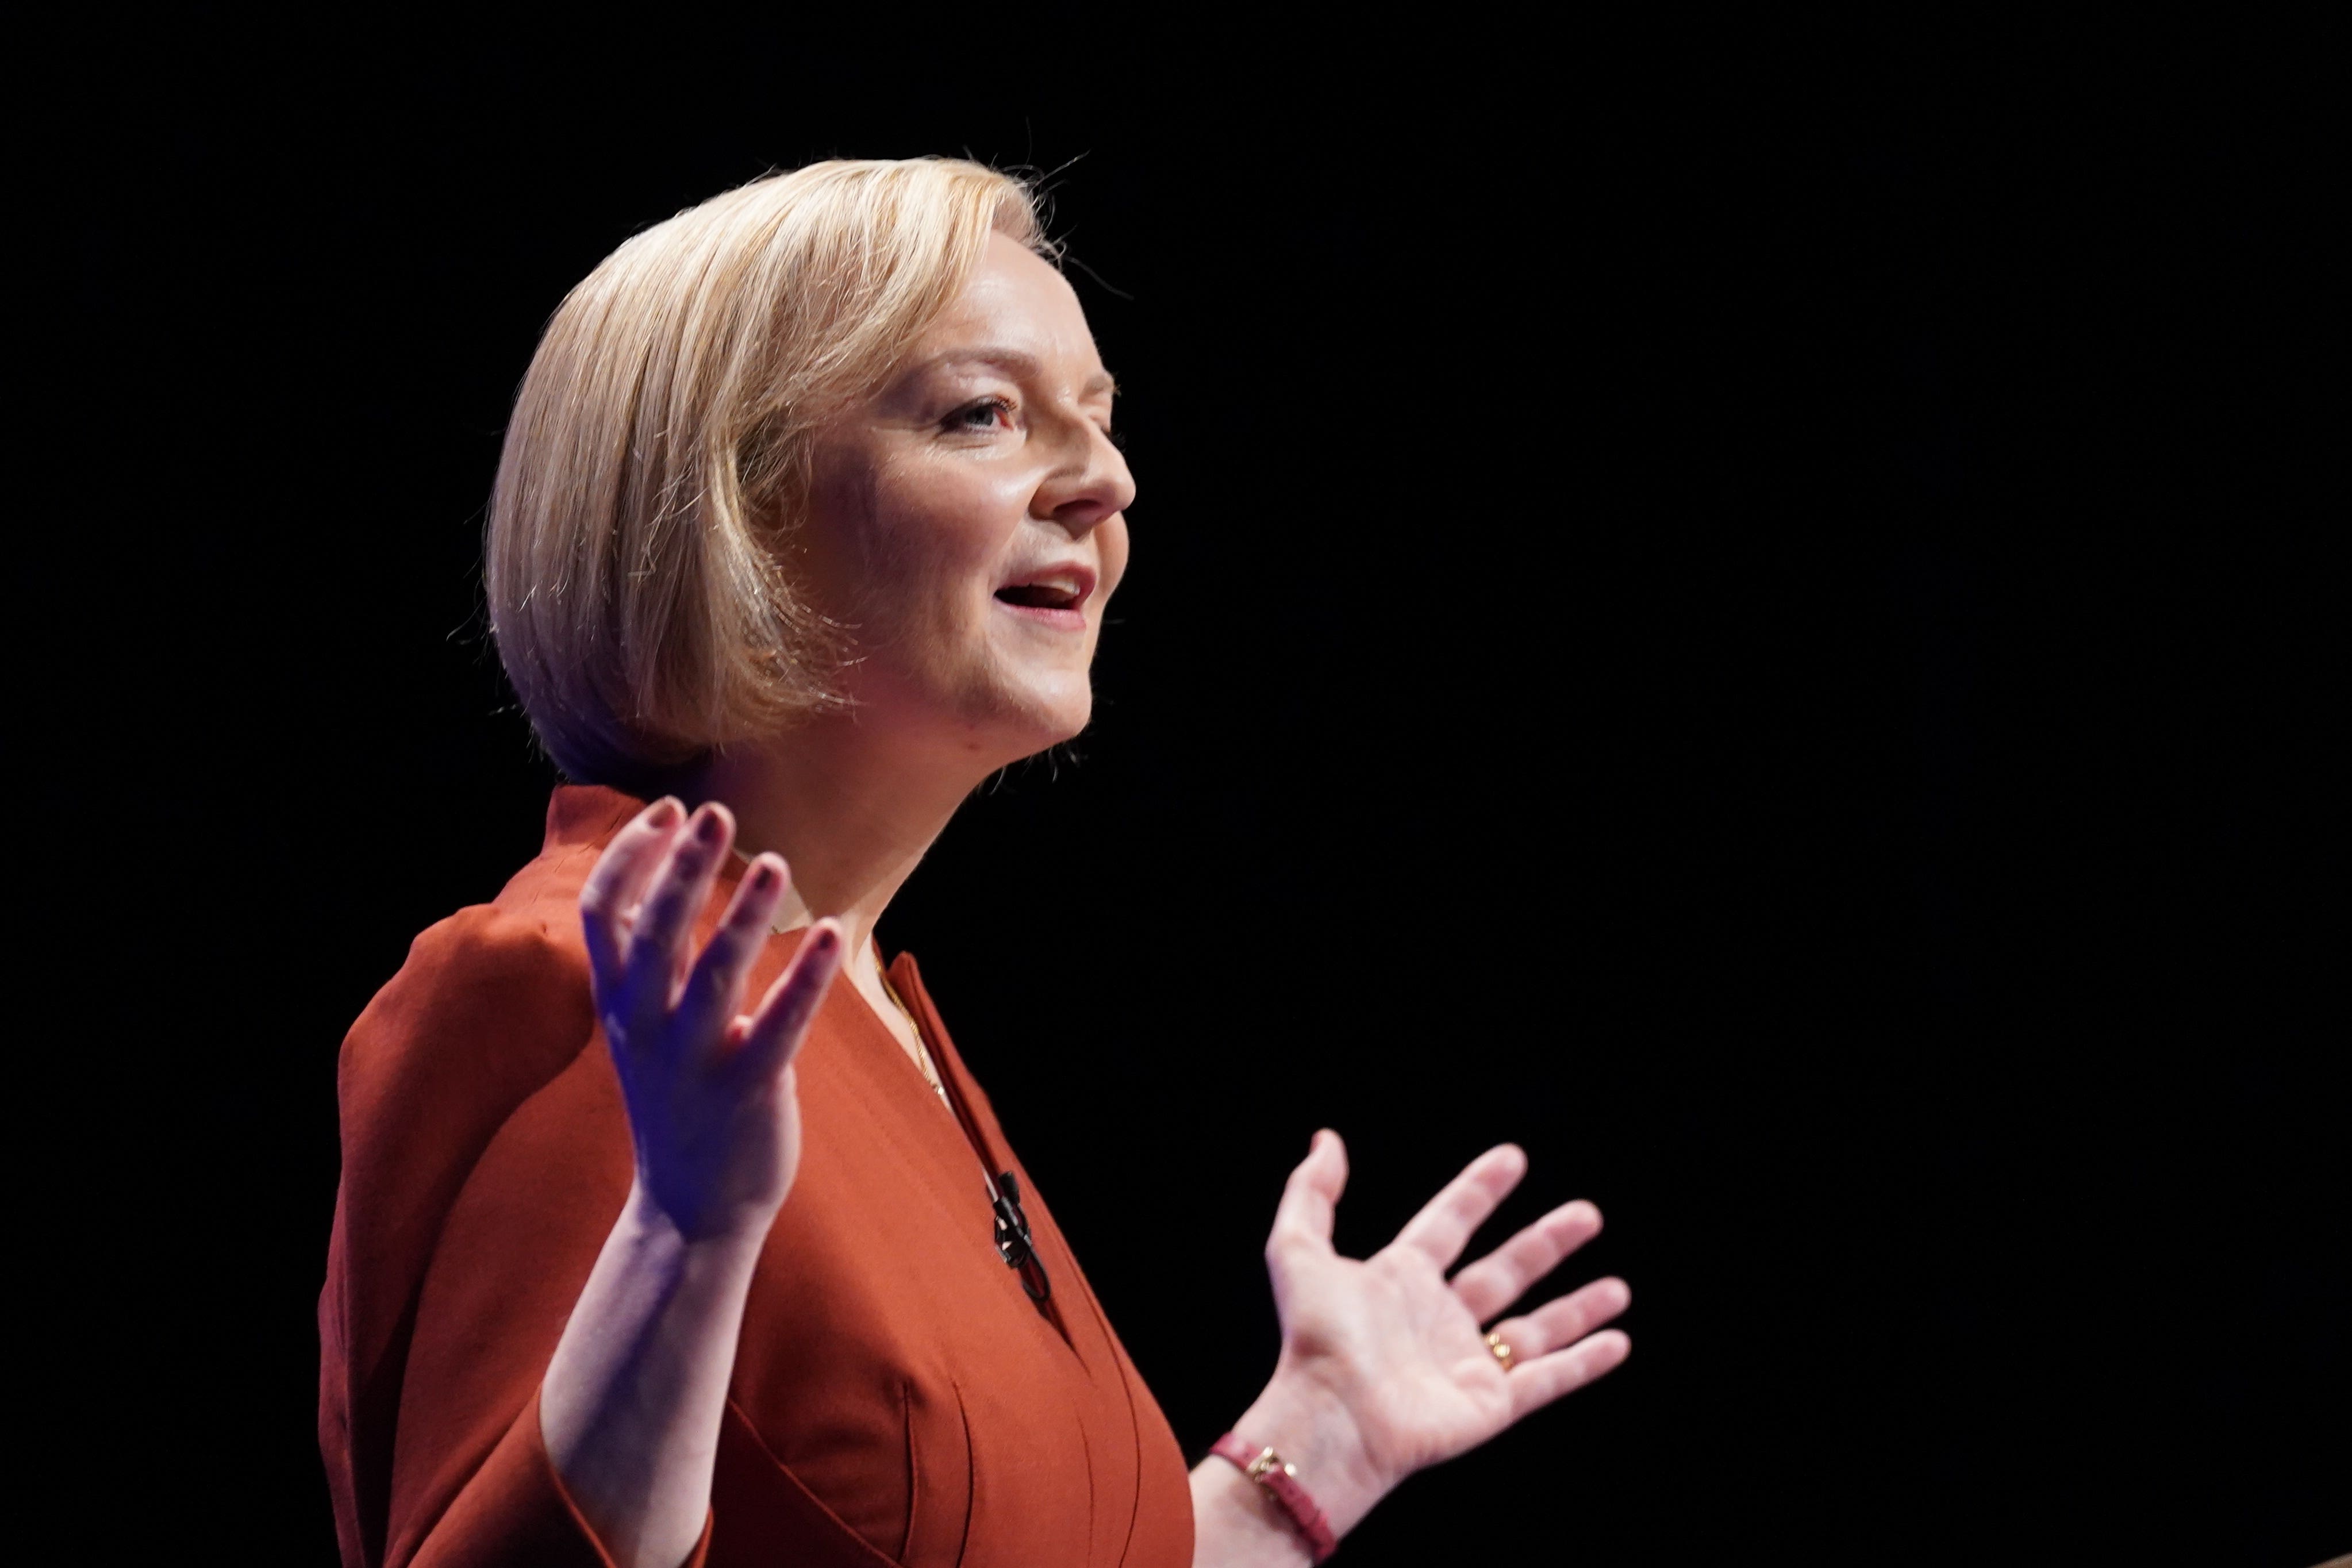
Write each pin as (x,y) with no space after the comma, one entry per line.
(665,812)
(825,939)
(705,828)
(763,876)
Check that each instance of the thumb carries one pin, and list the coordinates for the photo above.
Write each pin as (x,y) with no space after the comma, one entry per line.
(1310,1199)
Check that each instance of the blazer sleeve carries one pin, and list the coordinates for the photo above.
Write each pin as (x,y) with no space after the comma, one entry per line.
(478,1071)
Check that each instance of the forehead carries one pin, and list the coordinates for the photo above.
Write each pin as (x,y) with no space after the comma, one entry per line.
(1016,300)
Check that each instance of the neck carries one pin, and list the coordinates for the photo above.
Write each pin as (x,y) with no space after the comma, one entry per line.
(852,809)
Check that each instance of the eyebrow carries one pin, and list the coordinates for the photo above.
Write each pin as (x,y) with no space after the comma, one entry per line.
(1102,384)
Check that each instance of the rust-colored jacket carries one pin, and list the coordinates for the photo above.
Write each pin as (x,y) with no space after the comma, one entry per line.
(896,1397)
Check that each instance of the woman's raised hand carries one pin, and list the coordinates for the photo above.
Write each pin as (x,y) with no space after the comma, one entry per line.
(631,1404)
(1385,1367)
(711,1101)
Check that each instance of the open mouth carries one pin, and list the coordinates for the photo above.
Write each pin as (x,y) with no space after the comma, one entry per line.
(1041,595)
(1053,595)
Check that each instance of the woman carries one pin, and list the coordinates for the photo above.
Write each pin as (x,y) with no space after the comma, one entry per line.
(657,1246)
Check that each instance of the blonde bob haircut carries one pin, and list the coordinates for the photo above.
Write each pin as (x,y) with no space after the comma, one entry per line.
(656,468)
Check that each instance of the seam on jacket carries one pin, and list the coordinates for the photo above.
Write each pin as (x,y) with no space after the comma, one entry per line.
(971,1473)
(914,1468)
(801,1487)
(1122,1367)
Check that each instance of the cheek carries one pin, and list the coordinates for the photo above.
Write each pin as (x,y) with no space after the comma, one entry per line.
(844,544)
(945,533)
(1112,542)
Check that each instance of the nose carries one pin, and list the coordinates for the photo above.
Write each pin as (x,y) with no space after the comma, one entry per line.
(1089,482)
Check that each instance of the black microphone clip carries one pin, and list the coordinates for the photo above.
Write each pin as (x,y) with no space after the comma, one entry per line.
(1013,1238)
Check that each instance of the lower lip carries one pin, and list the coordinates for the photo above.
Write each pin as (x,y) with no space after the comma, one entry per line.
(1060,620)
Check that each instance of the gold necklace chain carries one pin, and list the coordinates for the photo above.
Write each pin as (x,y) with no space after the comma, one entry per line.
(922,1049)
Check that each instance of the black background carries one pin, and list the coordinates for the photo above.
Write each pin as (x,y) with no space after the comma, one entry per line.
(1748,609)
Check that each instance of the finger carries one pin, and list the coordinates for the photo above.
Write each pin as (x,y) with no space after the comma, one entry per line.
(618,882)
(1557,1324)
(1310,1199)
(714,987)
(1443,1227)
(772,1036)
(1535,1384)
(676,894)
(1503,1276)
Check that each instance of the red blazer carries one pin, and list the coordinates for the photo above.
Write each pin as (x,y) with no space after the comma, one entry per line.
(896,1397)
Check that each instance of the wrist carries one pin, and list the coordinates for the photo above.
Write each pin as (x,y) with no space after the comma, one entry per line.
(1306,1423)
(735,1239)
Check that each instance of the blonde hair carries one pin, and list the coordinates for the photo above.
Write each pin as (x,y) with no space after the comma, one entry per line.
(658,462)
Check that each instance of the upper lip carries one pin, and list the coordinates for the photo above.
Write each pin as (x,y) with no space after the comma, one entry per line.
(1071,578)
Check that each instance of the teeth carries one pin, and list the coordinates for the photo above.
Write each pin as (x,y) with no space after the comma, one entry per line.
(1059,591)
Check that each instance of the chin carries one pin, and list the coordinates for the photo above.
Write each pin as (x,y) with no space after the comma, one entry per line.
(1031,717)
(1062,722)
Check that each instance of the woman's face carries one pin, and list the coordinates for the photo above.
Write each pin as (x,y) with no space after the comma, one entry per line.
(967,524)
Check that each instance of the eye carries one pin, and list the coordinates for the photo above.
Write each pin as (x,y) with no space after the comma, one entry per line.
(991,413)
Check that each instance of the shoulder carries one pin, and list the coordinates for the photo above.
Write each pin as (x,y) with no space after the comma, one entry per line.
(491,1008)
(485,952)
(493,1002)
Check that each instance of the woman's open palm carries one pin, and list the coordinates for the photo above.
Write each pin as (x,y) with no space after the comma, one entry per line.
(1402,1349)
(713,1109)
